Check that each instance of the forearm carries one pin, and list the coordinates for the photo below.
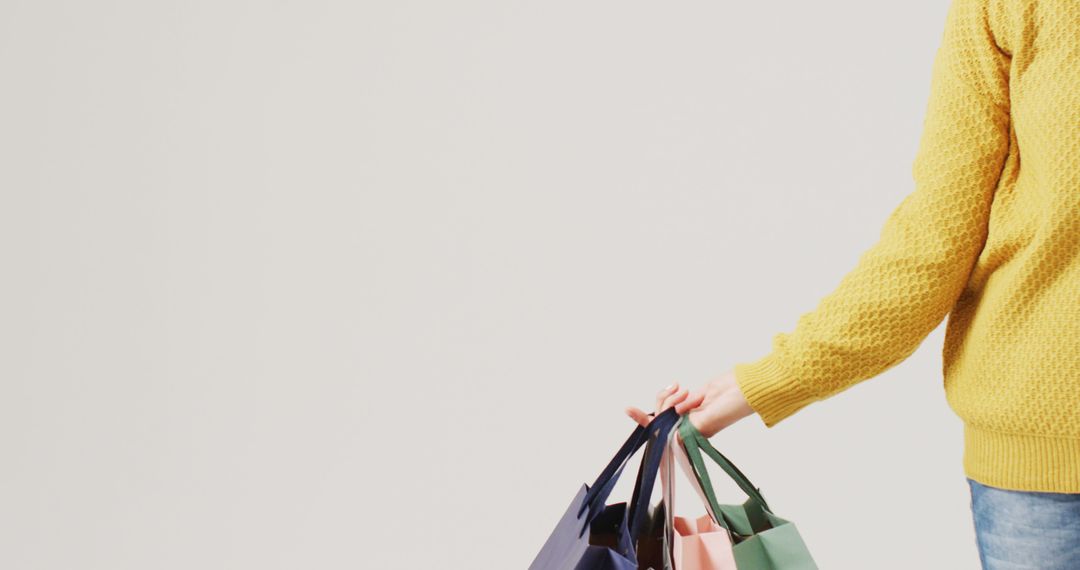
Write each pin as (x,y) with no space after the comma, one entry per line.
(907,282)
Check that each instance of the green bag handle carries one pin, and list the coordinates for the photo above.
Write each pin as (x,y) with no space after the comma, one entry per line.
(695,442)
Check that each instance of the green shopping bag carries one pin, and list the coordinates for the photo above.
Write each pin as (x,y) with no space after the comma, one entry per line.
(762,540)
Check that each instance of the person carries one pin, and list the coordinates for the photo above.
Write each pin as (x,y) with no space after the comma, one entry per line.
(990,237)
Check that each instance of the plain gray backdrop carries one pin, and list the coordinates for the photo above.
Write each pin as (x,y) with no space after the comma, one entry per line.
(368,284)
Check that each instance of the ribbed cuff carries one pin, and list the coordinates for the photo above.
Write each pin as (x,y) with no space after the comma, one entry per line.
(770,390)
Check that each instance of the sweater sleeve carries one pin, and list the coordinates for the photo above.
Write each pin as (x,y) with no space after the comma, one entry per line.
(903,285)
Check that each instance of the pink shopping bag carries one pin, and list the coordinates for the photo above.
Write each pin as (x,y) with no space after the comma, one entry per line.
(701,545)
(698,544)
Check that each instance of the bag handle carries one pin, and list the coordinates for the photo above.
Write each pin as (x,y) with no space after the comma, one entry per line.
(684,464)
(678,453)
(597,495)
(695,442)
(667,485)
(618,461)
(649,469)
(674,452)
(629,447)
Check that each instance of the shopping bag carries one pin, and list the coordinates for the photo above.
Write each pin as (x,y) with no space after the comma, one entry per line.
(695,544)
(762,540)
(592,535)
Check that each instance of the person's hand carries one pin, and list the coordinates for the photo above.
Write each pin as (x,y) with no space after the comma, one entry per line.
(670,396)
(715,406)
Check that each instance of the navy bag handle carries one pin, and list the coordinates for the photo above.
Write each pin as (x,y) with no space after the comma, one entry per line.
(648,472)
(596,498)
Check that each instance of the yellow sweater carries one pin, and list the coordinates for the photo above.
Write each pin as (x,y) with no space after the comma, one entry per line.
(990,236)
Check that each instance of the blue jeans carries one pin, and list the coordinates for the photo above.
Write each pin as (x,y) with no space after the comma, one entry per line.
(1028,530)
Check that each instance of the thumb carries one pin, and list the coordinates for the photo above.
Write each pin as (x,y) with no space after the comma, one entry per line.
(638,416)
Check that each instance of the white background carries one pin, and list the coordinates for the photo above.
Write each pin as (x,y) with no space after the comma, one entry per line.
(368,284)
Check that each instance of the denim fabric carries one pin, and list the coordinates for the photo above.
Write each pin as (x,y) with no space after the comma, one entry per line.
(1028,530)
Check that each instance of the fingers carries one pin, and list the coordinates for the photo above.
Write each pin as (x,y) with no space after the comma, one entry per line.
(690,403)
(673,399)
(638,416)
(670,396)
(664,395)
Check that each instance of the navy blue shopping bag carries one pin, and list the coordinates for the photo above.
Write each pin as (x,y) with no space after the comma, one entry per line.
(592,535)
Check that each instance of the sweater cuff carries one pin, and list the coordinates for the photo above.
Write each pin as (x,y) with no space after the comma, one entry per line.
(770,390)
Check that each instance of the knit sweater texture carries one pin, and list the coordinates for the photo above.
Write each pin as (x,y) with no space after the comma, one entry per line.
(989,237)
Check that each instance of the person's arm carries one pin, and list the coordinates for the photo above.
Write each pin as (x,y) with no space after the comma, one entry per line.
(906,283)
